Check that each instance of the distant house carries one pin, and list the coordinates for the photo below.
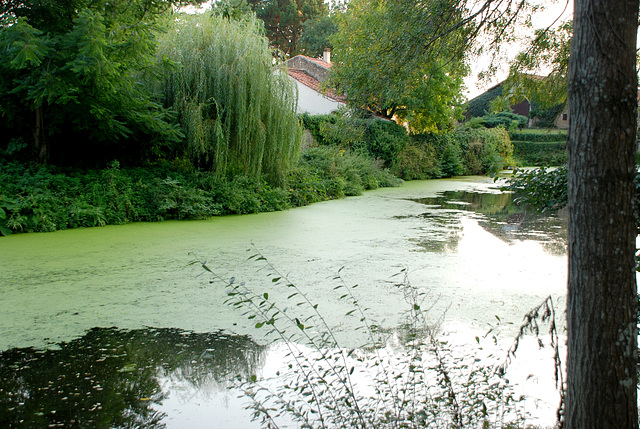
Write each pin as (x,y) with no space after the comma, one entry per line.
(562,120)
(479,105)
(308,73)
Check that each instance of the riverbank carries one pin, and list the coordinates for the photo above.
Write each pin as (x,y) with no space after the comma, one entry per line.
(37,198)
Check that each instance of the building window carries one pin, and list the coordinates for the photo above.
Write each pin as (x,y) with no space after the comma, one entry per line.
(565,116)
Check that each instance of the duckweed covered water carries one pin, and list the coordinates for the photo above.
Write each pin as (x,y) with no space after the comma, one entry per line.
(116,321)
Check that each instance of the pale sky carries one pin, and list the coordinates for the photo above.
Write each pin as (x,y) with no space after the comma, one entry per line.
(553,10)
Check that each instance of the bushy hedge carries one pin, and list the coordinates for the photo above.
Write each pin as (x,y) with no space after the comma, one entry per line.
(421,156)
(528,153)
(41,198)
(462,152)
(377,138)
(506,120)
(537,137)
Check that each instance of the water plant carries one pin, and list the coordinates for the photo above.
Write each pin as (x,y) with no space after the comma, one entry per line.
(418,380)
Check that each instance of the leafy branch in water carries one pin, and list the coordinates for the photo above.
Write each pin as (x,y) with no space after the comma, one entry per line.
(543,189)
(546,190)
(418,380)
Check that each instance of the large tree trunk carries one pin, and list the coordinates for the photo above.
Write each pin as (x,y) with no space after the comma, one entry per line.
(602,305)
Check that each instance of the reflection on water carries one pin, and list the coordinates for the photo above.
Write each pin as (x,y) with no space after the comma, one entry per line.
(115,378)
(479,256)
(494,212)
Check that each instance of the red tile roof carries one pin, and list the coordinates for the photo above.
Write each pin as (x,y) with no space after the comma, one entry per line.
(313,83)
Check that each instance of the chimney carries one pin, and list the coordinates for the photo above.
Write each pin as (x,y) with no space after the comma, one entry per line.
(326,56)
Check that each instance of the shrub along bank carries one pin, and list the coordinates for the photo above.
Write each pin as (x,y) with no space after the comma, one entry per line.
(45,198)
(539,148)
(463,151)
(352,155)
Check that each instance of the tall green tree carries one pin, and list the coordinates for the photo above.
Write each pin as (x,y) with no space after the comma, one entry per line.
(71,73)
(381,64)
(283,20)
(237,113)
(316,35)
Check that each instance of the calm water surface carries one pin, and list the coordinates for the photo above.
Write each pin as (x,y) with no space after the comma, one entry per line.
(112,327)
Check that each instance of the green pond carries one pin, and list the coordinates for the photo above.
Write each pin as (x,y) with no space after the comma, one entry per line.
(115,327)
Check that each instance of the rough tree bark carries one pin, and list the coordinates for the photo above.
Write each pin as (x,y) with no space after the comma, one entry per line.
(602,305)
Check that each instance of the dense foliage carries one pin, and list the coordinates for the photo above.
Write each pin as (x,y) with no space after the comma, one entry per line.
(46,198)
(284,20)
(376,138)
(373,69)
(70,77)
(540,188)
(418,156)
(528,153)
(539,136)
(238,116)
(316,35)
(102,75)
(536,149)
(506,120)
(461,152)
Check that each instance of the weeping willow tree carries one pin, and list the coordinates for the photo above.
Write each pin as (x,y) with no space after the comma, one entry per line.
(237,114)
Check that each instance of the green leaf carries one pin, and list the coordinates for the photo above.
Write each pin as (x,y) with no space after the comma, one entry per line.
(4,230)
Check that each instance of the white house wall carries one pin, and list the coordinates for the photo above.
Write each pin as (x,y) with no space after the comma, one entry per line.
(309,101)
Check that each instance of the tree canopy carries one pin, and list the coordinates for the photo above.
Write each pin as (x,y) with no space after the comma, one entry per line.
(316,35)
(539,73)
(382,64)
(283,20)
(237,114)
(71,74)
